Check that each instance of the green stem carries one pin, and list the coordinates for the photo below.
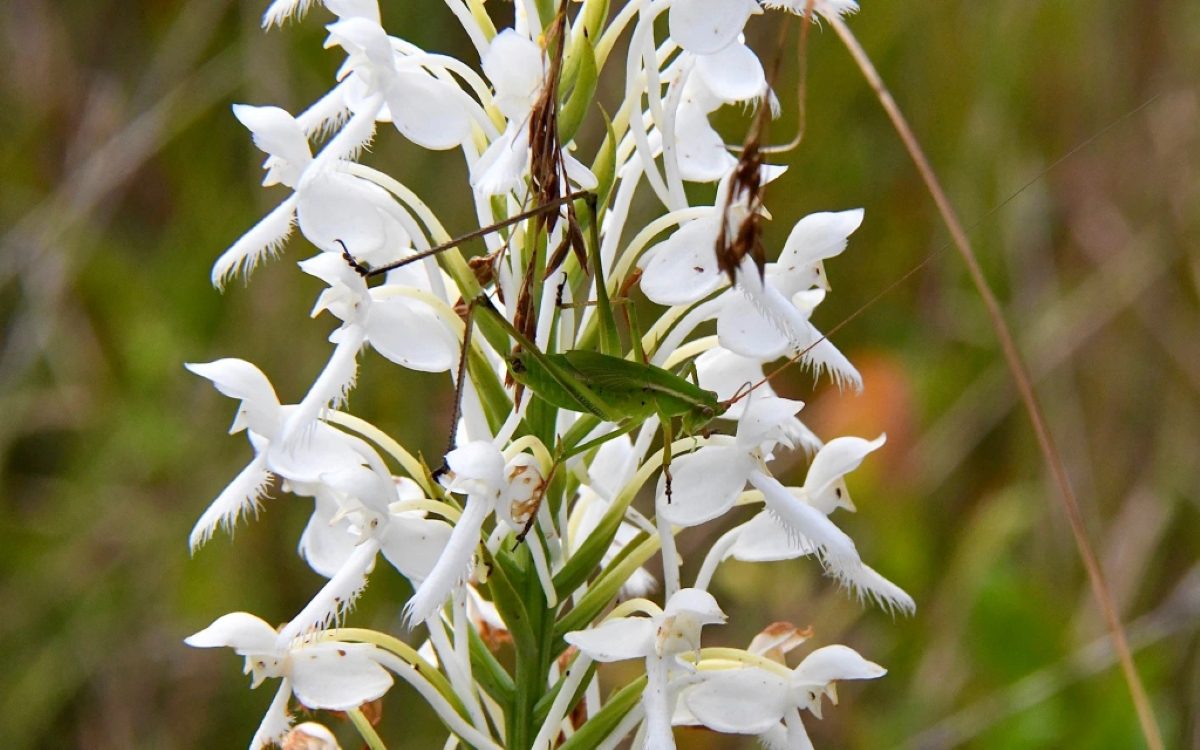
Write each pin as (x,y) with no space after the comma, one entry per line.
(369,735)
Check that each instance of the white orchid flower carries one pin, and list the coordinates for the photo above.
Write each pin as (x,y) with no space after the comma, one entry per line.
(729,375)
(351,523)
(331,206)
(708,481)
(756,701)
(730,75)
(768,318)
(492,485)
(516,66)
(321,674)
(683,269)
(402,329)
(660,641)
(765,538)
(379,84)
(262,417)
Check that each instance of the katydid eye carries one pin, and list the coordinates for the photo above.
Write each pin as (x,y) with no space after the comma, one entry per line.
(517,364)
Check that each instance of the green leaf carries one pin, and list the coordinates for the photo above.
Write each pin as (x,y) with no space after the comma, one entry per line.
(488,672)
(543,705)
(585,559)
(605,588)
(509,604)
(606,720)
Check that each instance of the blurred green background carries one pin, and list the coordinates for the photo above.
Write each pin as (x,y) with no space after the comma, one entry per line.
(123,175)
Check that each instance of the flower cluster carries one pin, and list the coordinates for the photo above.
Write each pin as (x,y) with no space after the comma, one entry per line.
(571,400)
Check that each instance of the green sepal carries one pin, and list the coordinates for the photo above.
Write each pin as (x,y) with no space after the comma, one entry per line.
(570,116)
(605,165)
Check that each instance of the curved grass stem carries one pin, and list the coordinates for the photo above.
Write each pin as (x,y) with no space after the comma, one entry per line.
(1020,375)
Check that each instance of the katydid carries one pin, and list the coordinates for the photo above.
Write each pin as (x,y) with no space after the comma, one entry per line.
(611,388)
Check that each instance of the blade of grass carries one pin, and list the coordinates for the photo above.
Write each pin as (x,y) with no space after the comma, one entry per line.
(1016,366)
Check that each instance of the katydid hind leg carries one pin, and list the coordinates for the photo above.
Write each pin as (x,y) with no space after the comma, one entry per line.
(668,438)
(460,385)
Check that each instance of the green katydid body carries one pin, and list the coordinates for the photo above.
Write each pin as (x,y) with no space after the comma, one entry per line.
(609,387)
(613,388)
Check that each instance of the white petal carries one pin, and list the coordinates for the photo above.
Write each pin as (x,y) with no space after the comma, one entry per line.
(729,374)
(817,237)
(825,357)
(453,565)
(772,306)
(263,239)
(323,450)
(337,595)
(324,545)
(339,207)
(764,419)
(613,467)
(743,330)
(500,168)
(868,583)
(240,631)
(616,639)
(368,9)
(334,271)
(704,484)
(236,378)
(480,463)
(408,333)
(276,721)
(275,132)
(835,662)
(281,10)
(240,497)
(701,151)
(327,114)
(683,268)
(837,550)
(763,539)
(734,74)
(700,604)
(738,701)
(706,26)
(413,545)
(578,174)
(427,111)
(515,66)
(337,676)
(333,206)
(330,388)
(837,458)
(364,485)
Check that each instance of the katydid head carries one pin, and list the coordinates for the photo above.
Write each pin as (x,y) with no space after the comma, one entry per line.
(695,420)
